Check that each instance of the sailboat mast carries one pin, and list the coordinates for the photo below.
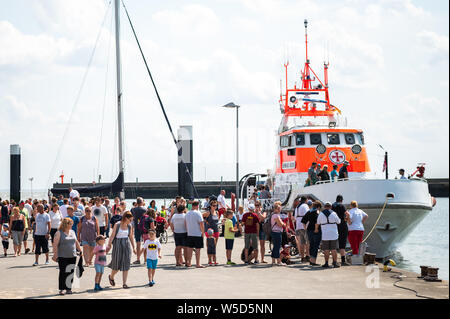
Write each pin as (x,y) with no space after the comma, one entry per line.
(119,89)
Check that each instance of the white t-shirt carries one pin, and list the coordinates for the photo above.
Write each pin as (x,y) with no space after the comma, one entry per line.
(42,221)
(193,220)
(178,221)
(329,231)
(356,217)
(55,219)
(299,213)
(63,210)
(29,208)
(99,213)
(221,201)
(152,247)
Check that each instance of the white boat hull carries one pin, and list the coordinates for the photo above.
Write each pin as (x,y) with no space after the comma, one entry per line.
(411,203)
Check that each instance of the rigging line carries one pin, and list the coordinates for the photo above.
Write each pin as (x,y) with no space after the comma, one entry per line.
(104,96)
(58,154)
(159,99)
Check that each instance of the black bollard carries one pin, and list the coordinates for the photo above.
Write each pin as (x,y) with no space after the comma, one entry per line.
(15,173)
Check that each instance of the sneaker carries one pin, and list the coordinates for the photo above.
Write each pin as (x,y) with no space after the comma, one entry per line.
(100,288)
(153,282)
(325,266)
(35,264)
(216,263)
(137,262)
(336,265)
(96,288)
(150,284)
(27,250)
(69,292)
(47,262)
(210,264)
(230,263)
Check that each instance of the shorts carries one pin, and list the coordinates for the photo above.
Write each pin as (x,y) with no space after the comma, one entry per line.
(151,263)
(194,242)
(251,240)
(229,244)
(137,235)
(102,230)
(180,239)
(99,268)
(303,237)
(262,235)
(329,244)
(5,244)
(17,237)
(41,244)
(84,242)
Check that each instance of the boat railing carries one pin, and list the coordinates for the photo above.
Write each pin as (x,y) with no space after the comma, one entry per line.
(363,178)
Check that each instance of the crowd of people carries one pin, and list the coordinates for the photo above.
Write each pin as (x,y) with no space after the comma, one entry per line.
(318,173)
(92,228)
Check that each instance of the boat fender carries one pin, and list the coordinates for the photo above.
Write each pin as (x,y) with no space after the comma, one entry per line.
(386,263)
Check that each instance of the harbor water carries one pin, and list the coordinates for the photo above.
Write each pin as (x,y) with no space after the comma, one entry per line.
(428,243)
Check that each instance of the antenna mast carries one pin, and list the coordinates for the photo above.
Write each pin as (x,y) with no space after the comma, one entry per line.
(119,91)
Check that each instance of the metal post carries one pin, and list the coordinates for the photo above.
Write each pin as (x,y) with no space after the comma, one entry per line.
(119,87)
(237,158)
(386,159)
(14,192)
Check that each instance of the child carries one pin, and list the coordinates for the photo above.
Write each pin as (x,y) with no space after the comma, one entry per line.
(100,260)
(5,236)
(211,244)
(229,235)
(285,255)
(153,248)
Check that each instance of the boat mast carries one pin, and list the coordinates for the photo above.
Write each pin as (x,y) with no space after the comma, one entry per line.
(119,91)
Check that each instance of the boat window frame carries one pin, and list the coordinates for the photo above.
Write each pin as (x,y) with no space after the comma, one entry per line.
(353,136)
(296,140)
(311,141)
(338,138)
(360,136)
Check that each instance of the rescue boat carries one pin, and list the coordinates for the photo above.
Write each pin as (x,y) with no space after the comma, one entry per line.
(314,130)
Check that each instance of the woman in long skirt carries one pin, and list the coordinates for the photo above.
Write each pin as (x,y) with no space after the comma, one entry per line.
(122,236)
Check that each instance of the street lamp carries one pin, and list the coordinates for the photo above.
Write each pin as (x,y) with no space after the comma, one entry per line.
(231,105)
(31,181)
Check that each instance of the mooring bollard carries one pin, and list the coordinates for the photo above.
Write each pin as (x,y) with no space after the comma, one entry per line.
(423,271)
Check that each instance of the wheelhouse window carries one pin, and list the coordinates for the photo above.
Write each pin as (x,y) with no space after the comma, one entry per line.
(360,138)
(333,139)
(315,139)
(349,138)
(285,141)
(300,139)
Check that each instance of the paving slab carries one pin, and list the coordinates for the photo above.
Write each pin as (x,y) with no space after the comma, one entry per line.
(19,279)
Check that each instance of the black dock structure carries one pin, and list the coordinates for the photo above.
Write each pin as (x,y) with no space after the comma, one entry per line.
(185,162)
(15,172)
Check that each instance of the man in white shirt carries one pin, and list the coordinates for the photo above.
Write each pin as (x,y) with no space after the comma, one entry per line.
(101,213)
(72,194)
(28,206)
(195,234)
(300,231)
(221,201)
(328,221)
(63,208)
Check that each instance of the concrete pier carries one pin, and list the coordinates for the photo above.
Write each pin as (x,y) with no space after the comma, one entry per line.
(298,281)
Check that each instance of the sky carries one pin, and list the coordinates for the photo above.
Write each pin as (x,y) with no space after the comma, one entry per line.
(388,73)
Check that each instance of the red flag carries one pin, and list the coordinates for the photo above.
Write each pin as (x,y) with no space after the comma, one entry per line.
(384,164)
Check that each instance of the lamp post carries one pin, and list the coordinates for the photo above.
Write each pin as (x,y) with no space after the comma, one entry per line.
(231,105)
(31,181)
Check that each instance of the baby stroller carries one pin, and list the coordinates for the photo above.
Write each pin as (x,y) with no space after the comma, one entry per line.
(161,231)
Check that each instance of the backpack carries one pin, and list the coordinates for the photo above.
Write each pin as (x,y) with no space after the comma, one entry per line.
(327,214)
(142,227)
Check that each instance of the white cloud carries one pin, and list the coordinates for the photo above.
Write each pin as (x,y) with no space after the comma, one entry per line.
(434,42)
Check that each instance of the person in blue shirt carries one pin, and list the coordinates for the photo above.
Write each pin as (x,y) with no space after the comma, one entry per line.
(75,219)
(334,172)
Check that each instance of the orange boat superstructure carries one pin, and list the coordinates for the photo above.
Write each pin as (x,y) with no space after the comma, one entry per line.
(312,129)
